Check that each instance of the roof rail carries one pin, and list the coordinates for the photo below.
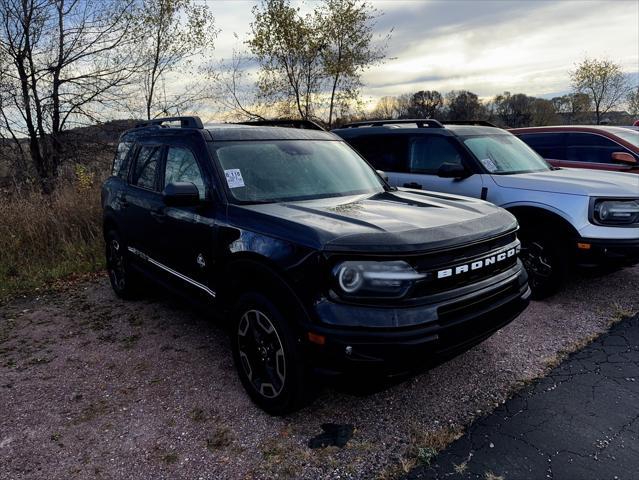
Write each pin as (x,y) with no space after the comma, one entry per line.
(479,123)
(420,122)
(301,124)
(185,122)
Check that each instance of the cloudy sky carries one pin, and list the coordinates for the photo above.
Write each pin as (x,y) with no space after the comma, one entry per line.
(483,46)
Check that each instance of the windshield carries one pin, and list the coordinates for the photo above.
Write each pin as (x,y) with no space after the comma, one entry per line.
(630,136)
(505,154)
(286,170)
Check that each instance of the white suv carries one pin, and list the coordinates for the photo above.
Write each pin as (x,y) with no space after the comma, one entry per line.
(567,216)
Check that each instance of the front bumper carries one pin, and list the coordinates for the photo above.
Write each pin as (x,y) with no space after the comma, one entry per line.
(603,252)
(449,327)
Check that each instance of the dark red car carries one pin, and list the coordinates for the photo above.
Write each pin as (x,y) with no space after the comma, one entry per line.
(596,147)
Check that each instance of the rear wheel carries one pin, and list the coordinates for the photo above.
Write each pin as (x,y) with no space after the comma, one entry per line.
(545,261)
(125,282)
(267,355)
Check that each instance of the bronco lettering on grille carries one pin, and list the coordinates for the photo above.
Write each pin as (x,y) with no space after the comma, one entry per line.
(478,264)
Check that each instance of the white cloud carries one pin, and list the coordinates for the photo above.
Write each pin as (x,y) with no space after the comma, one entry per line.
(486,46)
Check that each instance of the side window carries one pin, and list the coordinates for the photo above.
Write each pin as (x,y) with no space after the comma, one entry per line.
(591,148)
(383,152)
(181,166)
(548,145)
(120,165)
(146,167)
(429,152)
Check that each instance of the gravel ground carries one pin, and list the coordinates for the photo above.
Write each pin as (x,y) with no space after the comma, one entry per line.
(93,387)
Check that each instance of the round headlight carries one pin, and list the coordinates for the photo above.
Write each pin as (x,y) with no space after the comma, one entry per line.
(604,211)
(350,278)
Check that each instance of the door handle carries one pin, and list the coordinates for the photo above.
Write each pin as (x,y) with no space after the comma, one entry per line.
(413,185)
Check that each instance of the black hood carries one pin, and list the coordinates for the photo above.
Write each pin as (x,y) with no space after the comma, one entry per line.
(395,221)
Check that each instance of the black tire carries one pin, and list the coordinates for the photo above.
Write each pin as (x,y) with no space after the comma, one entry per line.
(126,283)
(267,355)
(546,261)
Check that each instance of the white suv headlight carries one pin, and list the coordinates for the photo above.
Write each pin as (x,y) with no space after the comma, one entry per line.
(616,212)
(375,279)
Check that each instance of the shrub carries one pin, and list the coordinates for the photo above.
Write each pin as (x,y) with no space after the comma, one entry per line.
(47,237)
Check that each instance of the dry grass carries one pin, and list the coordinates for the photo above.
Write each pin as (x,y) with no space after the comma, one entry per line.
(422,449)
(45,238)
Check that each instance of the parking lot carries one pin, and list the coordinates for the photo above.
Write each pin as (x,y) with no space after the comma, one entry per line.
(94,387)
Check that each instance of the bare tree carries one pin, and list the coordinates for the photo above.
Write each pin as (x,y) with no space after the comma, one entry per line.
(312,63)
(287,47)
(387,107)
(347,50)
(171,34)
(233,89)
(514,110)
(543,112)
(426,104)
(464,105)
(64,60)
(572,108)
(404,102)
(633,102)
(603,81)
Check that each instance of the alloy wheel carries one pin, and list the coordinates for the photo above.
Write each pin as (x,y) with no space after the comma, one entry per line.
(261,353)
(537,260)
(116,265)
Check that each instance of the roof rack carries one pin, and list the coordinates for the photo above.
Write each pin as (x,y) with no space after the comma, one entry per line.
(479,123)
(185,122)
(420,122)
(301,124)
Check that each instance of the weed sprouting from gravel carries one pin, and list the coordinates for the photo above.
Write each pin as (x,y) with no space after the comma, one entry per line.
(92,411)
(198,415)
(220,439)
(561,355)
(170,458)
(423,447)
(130,341)
(461,468)
(491,476)
(425,455)
(619,312)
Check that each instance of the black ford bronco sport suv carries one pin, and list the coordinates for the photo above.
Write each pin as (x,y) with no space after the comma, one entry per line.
(317,262)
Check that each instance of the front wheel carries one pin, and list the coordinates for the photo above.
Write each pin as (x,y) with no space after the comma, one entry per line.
(267,355)
(545,264)
(125,282)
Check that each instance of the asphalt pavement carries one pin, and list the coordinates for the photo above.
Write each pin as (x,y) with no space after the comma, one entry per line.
(579,422)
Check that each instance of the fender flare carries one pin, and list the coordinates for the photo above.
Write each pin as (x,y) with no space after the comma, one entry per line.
(518,209)
(249,271)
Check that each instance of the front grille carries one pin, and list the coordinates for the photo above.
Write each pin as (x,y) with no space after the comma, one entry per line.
(479,260)
(459,310)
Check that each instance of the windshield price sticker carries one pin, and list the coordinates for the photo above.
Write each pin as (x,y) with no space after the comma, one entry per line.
(234,178)
(489,164)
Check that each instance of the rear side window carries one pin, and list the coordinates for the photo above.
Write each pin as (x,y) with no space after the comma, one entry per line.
(548,145)
(181,166)
(383,152)
(591,148)
(428,153)
(120,164)
(146,167)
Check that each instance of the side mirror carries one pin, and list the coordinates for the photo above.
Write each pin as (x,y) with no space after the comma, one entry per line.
(624,157)
(452,170)
(382,174)
(181,194)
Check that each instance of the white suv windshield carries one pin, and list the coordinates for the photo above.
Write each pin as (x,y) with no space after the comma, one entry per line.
(630,136)
(286,170)
(504,154)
